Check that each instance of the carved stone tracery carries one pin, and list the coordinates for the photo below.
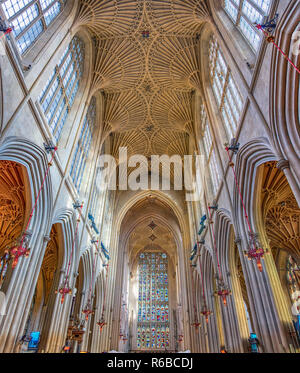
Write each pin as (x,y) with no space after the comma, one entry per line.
(280,211)
(145,52)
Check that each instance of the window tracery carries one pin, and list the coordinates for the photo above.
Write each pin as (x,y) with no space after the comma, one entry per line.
(30,18)
(244,13)
(226,92)
(153,326)
(58,96)
(83,146)
(210,151)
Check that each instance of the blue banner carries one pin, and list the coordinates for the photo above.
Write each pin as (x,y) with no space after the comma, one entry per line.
(194,252)
(105,252)
(92,219)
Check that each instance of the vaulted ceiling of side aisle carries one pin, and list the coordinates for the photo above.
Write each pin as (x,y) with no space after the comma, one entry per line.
(147,65)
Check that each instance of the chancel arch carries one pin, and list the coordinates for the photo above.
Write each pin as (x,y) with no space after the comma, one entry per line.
(164,241)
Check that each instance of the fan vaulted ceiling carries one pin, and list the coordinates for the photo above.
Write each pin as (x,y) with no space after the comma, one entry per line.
(147,67)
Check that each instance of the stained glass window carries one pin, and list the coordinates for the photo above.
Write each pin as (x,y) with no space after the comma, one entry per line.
(30,18)
(83,146)
(293,275)
(153,327)
(244,13)
(226,92)
(61,88)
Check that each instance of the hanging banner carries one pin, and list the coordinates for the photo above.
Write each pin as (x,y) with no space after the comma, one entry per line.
(105,252)
(194,252)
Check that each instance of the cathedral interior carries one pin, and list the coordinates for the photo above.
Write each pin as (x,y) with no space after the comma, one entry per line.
(94,255)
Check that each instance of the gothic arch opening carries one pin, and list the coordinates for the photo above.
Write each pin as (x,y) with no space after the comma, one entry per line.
(151,292)
(14,206)
(280,215)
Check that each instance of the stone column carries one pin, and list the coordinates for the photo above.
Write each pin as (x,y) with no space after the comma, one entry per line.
(19,293)
(263,308)
(59,319)
(232,335)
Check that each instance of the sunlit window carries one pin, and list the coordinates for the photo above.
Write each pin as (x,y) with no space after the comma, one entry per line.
(153,302)
(61,88)
(210,151)
(227,95)
(244,13)
(83,146)
(30,18)
(95,201)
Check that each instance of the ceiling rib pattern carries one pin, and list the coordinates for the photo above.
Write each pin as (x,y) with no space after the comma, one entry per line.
(147,65)
(119,64)
(177,16)
(174,63)
(173,110)
(110,18)
(124,110)
(136,142)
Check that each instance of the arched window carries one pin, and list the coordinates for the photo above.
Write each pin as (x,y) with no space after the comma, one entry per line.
(94,200)
(227,95)
(244,13)
(153,302)
(210,152)
(107,217)
(94,210)
(30,18)
(83,146)
(59,93)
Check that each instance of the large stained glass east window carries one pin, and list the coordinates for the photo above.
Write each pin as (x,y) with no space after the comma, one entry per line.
(153,302)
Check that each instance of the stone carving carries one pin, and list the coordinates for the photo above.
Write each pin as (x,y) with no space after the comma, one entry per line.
(281,213)
(50,261)
(147,65)
(12,203)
